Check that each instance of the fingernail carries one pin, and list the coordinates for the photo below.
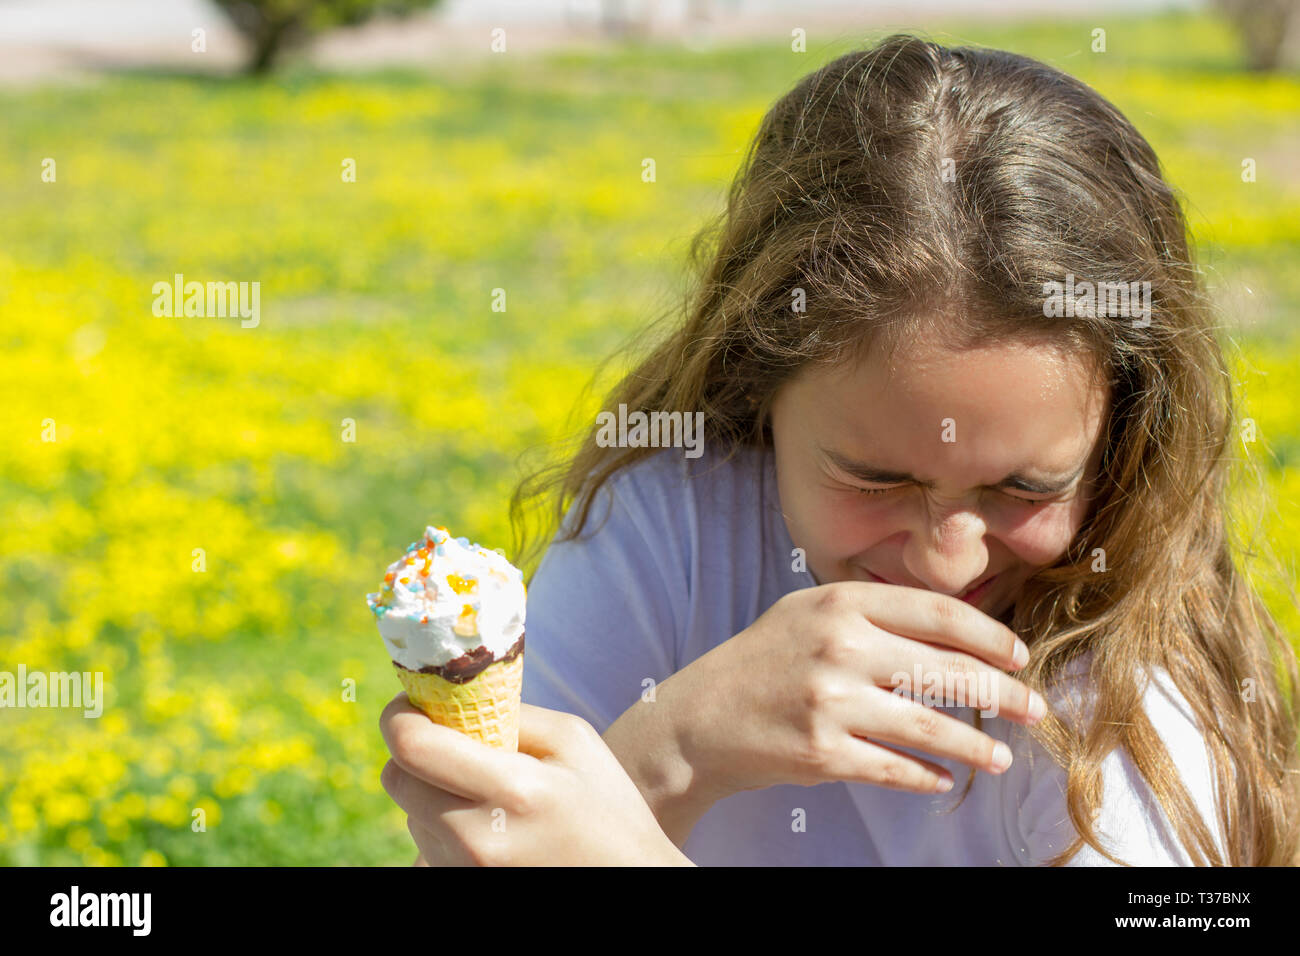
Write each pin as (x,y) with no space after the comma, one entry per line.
(1001,756)
(1037,706)
(943,786)
(1021,656)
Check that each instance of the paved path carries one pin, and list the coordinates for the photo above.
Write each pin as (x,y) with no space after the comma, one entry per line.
(43,40)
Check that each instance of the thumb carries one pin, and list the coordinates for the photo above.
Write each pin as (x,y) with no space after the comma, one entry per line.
(547,733)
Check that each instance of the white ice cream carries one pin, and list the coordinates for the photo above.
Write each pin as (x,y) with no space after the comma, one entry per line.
(445,597)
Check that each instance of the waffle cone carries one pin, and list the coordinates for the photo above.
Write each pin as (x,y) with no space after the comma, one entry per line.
(485,708)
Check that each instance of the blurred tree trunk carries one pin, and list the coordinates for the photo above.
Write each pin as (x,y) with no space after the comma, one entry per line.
(697,10)
(272,26)
(618,19)
(1263,26)
(267,44)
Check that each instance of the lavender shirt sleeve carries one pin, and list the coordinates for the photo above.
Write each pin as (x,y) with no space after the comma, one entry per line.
(604,611)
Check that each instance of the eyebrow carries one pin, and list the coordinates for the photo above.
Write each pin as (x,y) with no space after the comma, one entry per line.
(883,476)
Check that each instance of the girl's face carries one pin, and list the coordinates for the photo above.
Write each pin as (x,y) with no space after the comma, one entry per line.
(957,472)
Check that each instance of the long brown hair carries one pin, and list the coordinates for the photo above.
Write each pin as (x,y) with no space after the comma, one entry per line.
(897,182)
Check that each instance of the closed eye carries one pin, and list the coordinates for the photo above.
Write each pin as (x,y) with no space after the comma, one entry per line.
(877,491)
(1024,501)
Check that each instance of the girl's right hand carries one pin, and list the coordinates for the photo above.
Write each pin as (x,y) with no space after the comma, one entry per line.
(805,694)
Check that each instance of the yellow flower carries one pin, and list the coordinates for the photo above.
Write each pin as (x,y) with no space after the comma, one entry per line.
(132,806)
(183,788)
(270,812)
(64,808)
(113,724)
(211,812)
(98,856)
(341,776)
(168,810)
(22,816)
(158,759)
(152,858)
(235,781)
(117,831)
(219,715)
(183,737)
(79,838)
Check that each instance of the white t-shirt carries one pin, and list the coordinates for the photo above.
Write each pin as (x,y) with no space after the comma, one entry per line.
(692,552)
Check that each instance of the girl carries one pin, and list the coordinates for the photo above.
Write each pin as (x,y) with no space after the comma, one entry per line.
(923,469)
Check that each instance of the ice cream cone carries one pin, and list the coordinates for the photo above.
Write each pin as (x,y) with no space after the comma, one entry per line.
(451,614)
(485,708)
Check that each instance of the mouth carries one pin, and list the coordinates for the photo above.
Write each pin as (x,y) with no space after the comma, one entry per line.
(978,591)
(970,595)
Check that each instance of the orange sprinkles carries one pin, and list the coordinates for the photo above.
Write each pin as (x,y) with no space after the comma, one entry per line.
(463,585)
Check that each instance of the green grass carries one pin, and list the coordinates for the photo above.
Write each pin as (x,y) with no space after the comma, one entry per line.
(376,298)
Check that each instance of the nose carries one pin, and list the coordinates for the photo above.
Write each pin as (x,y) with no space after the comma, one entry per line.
(947,553)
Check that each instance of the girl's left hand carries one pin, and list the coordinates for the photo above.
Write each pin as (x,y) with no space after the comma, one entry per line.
(564,799)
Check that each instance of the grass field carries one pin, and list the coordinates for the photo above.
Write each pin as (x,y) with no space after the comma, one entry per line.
(225,686)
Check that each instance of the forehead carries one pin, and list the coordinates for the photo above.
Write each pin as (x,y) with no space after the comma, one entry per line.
(1021,369)
(1012,403)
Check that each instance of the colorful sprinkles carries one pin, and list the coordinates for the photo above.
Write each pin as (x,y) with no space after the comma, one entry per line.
(419,555)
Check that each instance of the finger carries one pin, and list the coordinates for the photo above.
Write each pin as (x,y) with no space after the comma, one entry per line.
(869,761)
(897,719)
(941,676)
(937,618)
(470,848)
(443,816)
(452,828)
(433,851)
(445,758)
(417,797)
